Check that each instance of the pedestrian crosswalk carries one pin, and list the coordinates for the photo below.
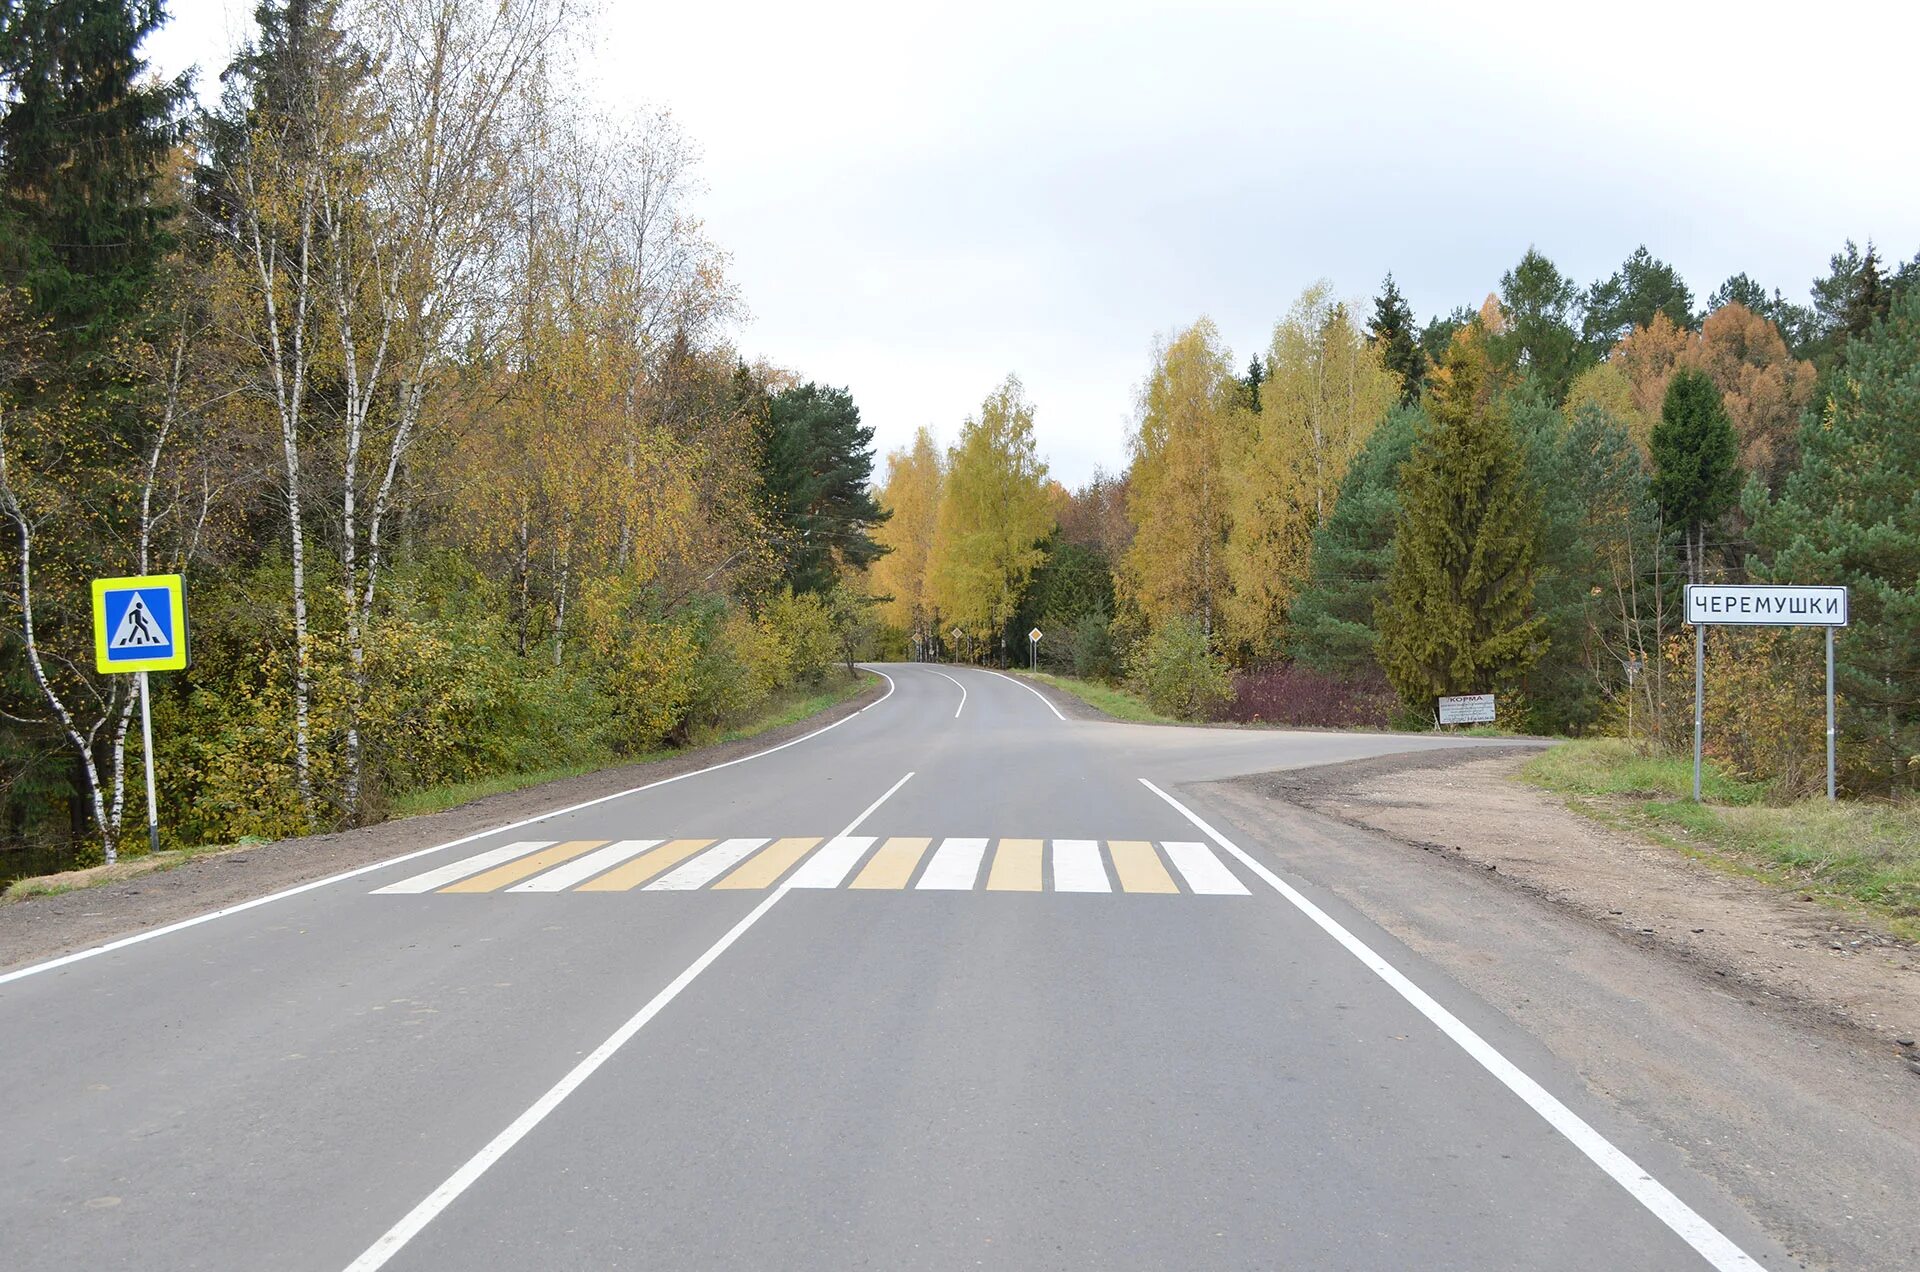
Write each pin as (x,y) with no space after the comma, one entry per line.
(855,862)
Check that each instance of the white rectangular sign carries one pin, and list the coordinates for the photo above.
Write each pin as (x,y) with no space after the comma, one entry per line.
(1467,708)
(1766,605)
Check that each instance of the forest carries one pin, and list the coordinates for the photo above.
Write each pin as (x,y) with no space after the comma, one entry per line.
(416,366)
(1508,498)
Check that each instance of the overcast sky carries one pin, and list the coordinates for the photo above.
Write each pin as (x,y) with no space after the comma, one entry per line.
(919,199)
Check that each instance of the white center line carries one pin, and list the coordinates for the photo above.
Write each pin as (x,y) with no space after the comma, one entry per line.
(957,685)
(395,1238)
(1708,1241)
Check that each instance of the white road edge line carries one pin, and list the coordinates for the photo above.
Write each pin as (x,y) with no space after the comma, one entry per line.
(1029,688)
(1707,1241)
(34,969)
(391,1242)
(957,685)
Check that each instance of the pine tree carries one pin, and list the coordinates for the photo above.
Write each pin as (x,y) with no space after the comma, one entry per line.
(1457,616)
(1392,330)
(816,467)
(83,143)
(1851,514)
(1696,474)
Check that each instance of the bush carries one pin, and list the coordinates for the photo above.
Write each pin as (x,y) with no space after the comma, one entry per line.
(1178,674)
(803,628)
(1298,695)
(1090,648)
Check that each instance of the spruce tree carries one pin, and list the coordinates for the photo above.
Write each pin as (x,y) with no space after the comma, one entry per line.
(1696,474)
(83,142)
(1457,616)
(1851,514)
(1255,377)
(1392,329)
(1331,623)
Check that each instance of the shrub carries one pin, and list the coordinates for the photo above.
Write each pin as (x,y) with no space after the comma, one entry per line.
(1178,674)
(1294,694)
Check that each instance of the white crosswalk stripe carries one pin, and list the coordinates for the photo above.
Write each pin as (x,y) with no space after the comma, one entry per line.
(955,865)
(581,869)
(705,868)
(1077,866)
(830,865)
(1203,871)
(473,865)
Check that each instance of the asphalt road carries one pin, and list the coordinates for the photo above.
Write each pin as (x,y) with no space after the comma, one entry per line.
(948,985)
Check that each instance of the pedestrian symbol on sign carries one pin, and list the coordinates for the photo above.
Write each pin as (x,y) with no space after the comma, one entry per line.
(138,628)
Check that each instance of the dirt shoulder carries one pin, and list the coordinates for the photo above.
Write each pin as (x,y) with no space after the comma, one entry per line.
(1468,808)
(33,928)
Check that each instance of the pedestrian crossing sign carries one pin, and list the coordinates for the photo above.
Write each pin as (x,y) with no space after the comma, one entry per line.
(140,623)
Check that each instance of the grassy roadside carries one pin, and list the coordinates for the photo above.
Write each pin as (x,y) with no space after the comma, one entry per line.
(786,707)
(789,707)
(1856,852)
(1118,703)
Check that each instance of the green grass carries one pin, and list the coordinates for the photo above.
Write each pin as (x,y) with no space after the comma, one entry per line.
(787,707)
(1118,703)
(1855,852)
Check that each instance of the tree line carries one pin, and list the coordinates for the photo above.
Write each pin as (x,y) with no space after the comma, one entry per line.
(416,366)
(1506,498)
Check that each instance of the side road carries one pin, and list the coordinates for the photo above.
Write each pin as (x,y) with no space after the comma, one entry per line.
(40,927)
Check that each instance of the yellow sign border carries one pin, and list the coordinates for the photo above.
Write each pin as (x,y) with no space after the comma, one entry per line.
(175,587)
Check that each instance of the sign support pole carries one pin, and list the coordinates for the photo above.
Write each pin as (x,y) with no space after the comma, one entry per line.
(146,749)
(1699,700)
(1830,790)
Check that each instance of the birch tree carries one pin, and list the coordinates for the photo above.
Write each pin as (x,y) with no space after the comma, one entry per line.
(994,513)
(1327,388)
(1179,492)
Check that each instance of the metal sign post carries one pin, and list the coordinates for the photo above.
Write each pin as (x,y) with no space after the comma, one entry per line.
(1033,649)
(140,625)
(1759,605)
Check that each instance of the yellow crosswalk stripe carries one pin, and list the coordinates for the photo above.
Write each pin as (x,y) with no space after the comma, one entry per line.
(1016,866)
(632,874)
(892,865)
(520,868)
(767,865)
(1138,866)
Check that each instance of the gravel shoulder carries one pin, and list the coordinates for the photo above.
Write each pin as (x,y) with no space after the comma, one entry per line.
(1832,965)
(33,928)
